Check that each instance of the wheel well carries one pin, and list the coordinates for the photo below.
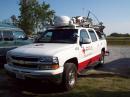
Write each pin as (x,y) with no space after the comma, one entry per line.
(73,60)
(103,49)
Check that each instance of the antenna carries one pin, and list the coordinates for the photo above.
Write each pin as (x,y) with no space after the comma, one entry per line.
(99,27)
(88,14)
(94,16)
(83,11)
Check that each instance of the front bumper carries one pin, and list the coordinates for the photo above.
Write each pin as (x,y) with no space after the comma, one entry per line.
(25,73)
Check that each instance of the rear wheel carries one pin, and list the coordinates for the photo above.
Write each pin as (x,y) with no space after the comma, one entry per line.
(69,76)
(101,60)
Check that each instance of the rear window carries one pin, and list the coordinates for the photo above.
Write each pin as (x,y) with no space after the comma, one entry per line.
(101,35)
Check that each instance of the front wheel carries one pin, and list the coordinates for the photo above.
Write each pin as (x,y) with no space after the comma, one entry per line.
(69,76)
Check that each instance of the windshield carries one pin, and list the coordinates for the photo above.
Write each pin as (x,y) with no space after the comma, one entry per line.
(19,35)
(59,36)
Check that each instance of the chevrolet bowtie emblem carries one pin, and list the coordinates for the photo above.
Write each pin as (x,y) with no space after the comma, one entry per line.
(21,62)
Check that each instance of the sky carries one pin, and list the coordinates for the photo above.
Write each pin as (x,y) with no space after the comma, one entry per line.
(115,14)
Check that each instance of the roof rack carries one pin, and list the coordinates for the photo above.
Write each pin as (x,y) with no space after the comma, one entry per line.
(88,23)
(63,27)
(64,22)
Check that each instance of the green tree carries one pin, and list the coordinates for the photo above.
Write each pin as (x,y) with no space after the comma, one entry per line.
(33,14)
(43,15)
(14,20)
(26,12)
(119,35)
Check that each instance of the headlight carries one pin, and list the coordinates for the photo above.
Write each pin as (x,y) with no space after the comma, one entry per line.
(55,60)
(48,63)
(46,60)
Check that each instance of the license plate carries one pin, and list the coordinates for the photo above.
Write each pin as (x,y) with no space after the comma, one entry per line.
(20,76)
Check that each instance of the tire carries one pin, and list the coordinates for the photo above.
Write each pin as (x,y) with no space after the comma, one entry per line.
(101,60)
(69,76)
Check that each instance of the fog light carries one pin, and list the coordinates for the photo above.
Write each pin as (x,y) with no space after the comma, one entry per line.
(55,66)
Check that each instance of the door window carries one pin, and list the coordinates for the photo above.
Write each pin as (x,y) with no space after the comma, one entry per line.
(83,34)
(7,35)
(93,35)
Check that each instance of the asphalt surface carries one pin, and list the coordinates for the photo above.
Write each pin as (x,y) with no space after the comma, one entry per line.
(118,62)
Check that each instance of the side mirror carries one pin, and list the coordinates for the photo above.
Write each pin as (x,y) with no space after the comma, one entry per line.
(85,41)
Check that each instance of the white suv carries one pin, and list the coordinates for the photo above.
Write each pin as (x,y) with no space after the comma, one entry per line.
(58,55)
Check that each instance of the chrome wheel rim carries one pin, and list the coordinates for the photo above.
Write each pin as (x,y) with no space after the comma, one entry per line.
(102,58)
(71,78)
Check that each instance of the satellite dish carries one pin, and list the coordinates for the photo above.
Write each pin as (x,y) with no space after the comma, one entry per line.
(61,21)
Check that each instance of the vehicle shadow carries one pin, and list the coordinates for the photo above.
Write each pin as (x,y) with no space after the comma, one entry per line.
(35,87)
(119,67)
(12,88)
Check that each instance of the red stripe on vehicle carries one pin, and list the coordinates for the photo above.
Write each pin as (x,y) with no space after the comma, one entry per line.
(84,64)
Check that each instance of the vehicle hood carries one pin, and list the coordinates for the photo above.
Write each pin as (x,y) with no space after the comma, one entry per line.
(41,49)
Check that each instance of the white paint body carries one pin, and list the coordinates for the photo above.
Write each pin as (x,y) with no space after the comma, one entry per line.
(62,51)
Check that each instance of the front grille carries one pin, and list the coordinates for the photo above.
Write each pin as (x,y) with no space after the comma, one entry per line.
(25,65)
(31,59)
(27,62)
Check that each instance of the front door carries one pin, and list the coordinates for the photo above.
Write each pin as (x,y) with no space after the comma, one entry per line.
(85,50)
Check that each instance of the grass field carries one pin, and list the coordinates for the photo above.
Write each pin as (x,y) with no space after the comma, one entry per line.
(97,85)
(118,40)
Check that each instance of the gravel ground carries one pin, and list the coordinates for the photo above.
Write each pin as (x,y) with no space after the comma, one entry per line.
(118,52)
